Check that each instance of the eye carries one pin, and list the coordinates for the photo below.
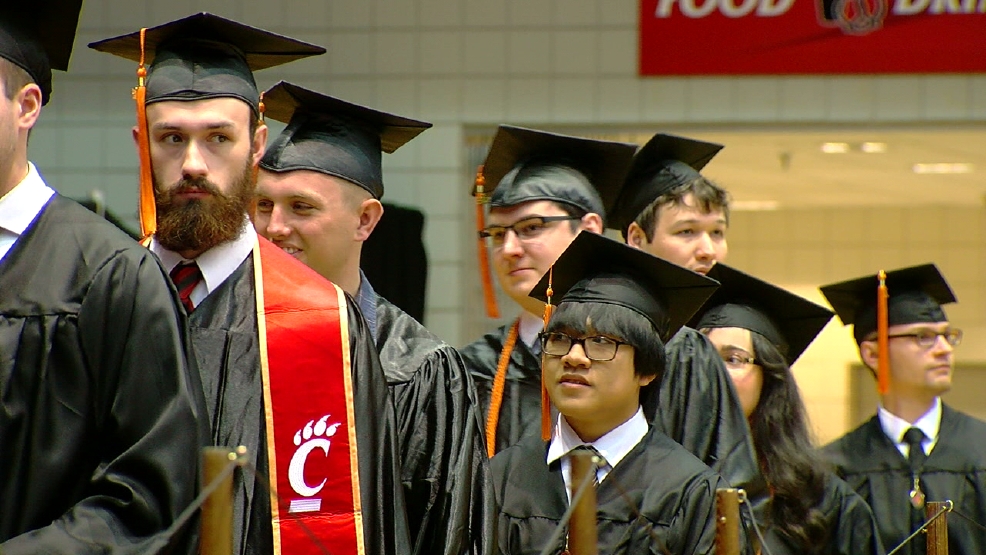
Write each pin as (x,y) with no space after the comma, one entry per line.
(496,234)
(529,228)
(719,233)
(264,205)
(219,138)
(298,206)
(687,232)
(171,138)
(600,340)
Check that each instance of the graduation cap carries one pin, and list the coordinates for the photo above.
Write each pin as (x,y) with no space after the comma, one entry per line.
(873,303)
(198,57)
(597,269)
(788,321)
(525,165)
(915,296)
(332,136)
(205,56)
(38,37)
(665,163)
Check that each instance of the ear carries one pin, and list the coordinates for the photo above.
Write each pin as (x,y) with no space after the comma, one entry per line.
(644,381)
(370,212)
(136,136)
(593,222)
(869,353)
(259,145)
(636,237)
(28,100)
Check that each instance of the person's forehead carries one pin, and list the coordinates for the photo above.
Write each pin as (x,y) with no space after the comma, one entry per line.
(690,209)
(232,110)
(510,214)
(917,326)
(308,183)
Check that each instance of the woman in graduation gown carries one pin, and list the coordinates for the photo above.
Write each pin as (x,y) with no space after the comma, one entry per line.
(603,349)
(760,330)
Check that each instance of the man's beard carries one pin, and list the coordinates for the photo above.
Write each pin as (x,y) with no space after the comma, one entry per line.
(200,224)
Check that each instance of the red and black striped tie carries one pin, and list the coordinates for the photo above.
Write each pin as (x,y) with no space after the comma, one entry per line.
(186,276)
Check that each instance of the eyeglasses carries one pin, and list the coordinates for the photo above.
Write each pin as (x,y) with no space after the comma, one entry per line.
(597,347)
(737,359)
(928,338)
(525,230)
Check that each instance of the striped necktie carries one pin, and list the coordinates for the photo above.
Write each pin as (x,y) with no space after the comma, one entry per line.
(186,276)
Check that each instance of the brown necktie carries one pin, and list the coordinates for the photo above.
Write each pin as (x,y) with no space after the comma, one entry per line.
(583,534)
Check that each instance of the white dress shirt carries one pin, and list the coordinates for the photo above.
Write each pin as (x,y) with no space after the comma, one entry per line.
(21,206)
(613,446)
(895,426)
(216,264)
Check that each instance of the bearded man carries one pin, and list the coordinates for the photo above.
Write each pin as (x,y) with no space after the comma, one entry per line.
(288,366)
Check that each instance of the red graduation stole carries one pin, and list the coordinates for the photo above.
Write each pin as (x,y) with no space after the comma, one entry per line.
(308,397)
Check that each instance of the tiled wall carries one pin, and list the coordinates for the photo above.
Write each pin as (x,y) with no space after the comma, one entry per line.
(461,63)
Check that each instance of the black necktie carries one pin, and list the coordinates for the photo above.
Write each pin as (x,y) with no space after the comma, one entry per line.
(916,457)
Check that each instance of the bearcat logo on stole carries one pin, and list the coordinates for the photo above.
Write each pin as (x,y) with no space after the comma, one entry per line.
(854,17)
(313,436)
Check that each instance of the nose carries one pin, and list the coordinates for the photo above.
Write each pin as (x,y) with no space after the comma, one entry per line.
(576,357)
(511,244)
(194,164)
(277,227)
(704,249)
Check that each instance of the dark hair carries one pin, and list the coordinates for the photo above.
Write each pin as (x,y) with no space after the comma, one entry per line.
(620,323)
(788,460)
(14,78)
(709,196)
(573,211)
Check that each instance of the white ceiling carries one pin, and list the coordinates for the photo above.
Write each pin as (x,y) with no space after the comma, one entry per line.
(787,166)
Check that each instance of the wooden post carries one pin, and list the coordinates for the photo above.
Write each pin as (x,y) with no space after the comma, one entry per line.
(583,534)
(938,530)
(217,510)
(727,522)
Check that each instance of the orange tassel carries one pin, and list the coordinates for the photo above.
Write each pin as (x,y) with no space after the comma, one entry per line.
(147,208)
(882,339)
(256,167)
(545,400)
(499,382)
(489,295)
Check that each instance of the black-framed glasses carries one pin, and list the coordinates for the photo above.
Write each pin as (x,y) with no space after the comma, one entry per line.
(598,348)
(525,230)
(928,338)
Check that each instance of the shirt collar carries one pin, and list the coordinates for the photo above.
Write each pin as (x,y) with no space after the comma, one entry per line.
(895,426)
(366,299)
(613,446)
(22,204)
(217,263)
(530,327)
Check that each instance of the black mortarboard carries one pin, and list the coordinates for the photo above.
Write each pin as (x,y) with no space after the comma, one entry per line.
(206,56)
(665,163)
(915,296)
(525,165)
(38,37)
(595,268)
(787,320)
(332,136)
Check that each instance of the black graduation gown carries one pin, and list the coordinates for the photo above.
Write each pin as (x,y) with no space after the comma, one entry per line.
(520,413)
(98,407)
(448,489)
(955,470)
(854,530)
(225,341)
(673,491)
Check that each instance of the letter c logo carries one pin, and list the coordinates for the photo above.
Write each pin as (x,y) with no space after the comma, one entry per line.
(296,469)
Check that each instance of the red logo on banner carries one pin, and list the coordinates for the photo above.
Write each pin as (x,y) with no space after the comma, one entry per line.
(763,37)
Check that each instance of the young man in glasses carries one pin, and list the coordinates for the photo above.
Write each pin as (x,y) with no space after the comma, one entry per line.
(603,352)
(915,448)
(544,188)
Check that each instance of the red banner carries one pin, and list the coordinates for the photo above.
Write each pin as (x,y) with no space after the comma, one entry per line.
(773,37)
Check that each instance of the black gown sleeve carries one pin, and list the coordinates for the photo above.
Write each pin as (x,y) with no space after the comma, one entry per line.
(385,526)
(697,407)
(145,414)
(448,489)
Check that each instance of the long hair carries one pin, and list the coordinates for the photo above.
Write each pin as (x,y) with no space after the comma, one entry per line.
(793,470)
